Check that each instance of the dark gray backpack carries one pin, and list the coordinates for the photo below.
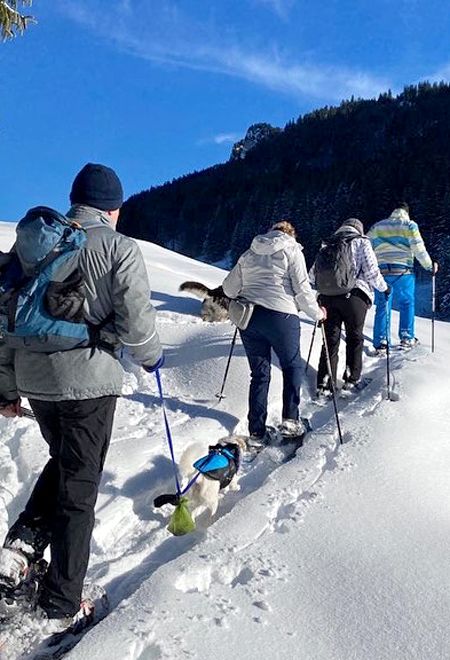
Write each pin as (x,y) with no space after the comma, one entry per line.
(334,265)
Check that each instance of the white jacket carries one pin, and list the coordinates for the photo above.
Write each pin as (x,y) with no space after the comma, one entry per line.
(272,273)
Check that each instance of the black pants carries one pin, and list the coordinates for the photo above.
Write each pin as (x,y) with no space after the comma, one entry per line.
(60,510)
(351,311)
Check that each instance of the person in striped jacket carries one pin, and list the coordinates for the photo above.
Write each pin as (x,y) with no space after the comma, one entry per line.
(397,242)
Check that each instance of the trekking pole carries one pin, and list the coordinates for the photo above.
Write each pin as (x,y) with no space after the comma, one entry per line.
(390,396)
(433,305)
(220,395)
(311,347)
(388,371)
(330,376)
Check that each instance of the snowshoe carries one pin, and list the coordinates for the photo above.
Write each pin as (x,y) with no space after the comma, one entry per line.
(34,634)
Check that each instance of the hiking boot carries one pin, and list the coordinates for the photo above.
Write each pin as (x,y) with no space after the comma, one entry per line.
(14,567)
(381,350)
(349,386)
(258,441)
(56,623)
(29,538)
(407,343)
(323,392)
(292,428)
(20,582)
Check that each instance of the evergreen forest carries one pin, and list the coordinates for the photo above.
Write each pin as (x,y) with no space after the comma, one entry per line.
(357,159)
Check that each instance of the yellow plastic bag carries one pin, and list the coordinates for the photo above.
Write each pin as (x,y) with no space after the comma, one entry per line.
(181,520)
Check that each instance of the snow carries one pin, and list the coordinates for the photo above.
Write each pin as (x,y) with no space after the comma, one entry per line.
(339,554)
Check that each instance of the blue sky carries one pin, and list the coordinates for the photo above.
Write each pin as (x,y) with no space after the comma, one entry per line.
(160,88)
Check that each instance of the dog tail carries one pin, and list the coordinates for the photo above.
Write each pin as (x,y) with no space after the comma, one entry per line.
(196,289)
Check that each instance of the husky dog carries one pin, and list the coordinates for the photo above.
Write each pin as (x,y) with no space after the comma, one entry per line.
(204,493)
(215,302)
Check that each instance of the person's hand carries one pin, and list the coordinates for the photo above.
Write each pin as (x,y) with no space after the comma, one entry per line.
(12,409)
(388,292)
(324,312)
(151,368)
(435,268)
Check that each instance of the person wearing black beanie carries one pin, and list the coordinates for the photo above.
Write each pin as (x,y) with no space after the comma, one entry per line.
(73,395)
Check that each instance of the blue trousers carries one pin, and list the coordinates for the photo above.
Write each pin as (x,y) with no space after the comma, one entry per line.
(402,297)
(269,330)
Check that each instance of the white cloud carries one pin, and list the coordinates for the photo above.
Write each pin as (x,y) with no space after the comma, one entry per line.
(221,138)
(157,31)
(224,138)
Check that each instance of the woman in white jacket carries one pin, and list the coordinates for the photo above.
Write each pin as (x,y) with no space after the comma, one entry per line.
(272,274)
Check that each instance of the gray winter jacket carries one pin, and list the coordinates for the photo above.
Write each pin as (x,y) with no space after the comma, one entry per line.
(116,281)
(272,273)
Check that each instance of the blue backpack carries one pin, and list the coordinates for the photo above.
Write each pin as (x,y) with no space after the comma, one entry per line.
(38,311)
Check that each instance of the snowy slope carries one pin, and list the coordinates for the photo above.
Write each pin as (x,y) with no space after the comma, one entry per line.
(340,553)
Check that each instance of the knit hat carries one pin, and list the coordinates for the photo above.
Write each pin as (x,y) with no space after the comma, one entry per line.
(402,205)
(355,223)
(97,186)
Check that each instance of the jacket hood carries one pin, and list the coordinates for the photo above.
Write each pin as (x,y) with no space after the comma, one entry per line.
(346,229)
(85,214)
(272,242)
(399,214)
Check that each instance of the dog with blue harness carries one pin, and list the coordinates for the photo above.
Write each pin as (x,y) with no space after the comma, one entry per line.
(206,475)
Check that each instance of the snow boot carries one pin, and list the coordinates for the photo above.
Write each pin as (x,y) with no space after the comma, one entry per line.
(20,580)
(292,431)
(14,567)
(406,344)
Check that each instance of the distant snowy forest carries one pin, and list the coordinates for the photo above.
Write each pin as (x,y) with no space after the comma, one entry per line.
(357,159)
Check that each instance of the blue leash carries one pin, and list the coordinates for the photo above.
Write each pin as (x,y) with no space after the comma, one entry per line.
(180,492)
(168,433)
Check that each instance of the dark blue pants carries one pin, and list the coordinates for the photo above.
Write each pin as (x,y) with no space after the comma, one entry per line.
(269,330)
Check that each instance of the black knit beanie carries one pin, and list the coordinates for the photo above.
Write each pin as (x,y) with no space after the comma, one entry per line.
(98,186)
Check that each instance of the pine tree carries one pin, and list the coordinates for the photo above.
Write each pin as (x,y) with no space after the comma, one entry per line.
(12,21)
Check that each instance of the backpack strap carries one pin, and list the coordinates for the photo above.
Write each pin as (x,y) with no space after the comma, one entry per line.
(95,333)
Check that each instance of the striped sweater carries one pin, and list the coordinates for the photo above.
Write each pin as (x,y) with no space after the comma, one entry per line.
(397,241)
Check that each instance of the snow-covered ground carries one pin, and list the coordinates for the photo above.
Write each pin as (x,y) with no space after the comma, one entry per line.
(340,554)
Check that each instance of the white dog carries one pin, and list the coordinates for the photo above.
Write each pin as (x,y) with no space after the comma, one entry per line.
(204,493)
